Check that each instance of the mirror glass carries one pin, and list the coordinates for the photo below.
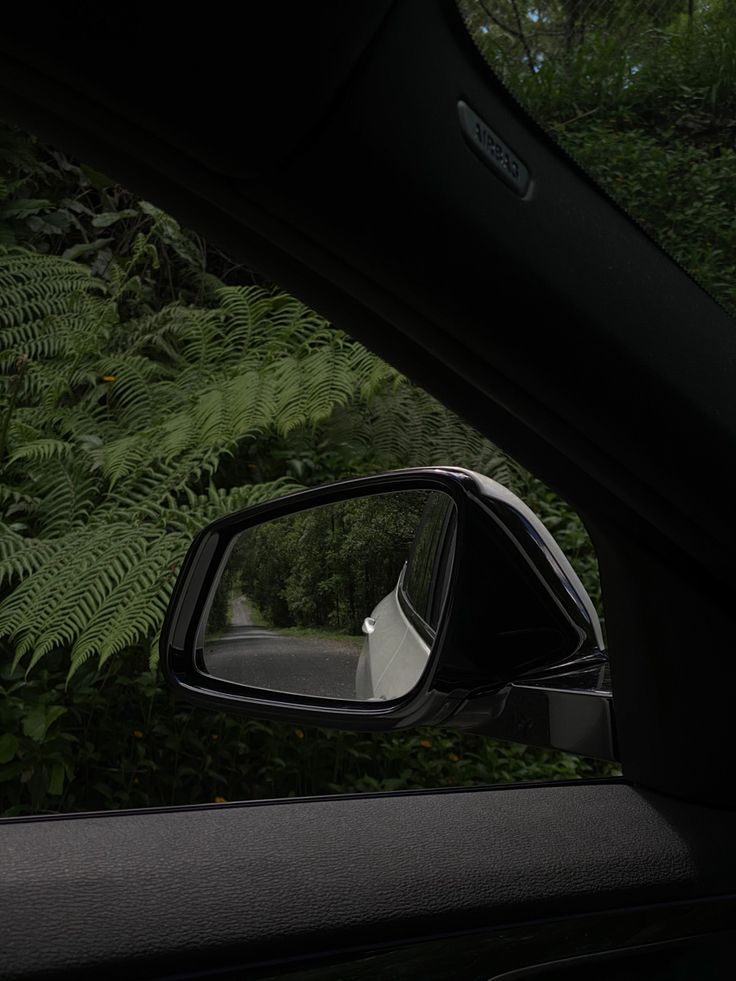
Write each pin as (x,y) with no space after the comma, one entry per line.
(338,601)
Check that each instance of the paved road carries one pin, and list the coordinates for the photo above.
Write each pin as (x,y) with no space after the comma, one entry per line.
(262,658)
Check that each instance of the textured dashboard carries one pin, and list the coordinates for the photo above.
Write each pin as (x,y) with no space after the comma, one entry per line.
(203,888)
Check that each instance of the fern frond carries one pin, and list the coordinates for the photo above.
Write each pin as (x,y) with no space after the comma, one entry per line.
(41,450)
(122,457)
(121,435)
(21,557)
(115,625)
(68,494)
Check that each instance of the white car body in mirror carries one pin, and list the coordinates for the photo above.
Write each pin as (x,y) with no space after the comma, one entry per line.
(394,654)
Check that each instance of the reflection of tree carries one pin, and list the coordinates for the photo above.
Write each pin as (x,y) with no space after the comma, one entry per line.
(329,566)
(218,616)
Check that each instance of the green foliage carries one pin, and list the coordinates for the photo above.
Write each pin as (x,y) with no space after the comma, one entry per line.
(643,96)
(108,449)
(684,195)
(115,459)
(118,739)
(147,387)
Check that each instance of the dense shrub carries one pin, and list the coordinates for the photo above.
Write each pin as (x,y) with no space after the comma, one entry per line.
(145,390)
(117,739)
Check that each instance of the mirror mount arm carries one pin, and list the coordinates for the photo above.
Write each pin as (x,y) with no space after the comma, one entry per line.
(573,713)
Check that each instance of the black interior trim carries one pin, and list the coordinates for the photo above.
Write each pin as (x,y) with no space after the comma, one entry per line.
(316,799)
(133,894)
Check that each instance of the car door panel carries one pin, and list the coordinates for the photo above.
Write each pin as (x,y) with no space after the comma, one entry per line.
(288,881)
(513,954)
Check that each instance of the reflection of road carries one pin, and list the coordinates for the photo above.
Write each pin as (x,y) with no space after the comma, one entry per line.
(240,617)
(261,658)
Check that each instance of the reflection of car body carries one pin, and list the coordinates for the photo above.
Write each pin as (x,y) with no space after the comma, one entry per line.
(400,631)
(394,652)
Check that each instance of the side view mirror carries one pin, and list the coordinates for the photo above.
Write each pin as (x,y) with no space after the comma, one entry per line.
(419,597)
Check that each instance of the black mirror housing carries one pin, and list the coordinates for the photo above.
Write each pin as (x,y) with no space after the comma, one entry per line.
(515,619)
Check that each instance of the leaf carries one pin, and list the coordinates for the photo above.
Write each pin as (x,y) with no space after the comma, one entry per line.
(50,224)
(150,209)
(8,747)
(25,207)
(54,713)
(108,218)
(34,724)
(96,179)
(84,248)
(56,779)
(38,721)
